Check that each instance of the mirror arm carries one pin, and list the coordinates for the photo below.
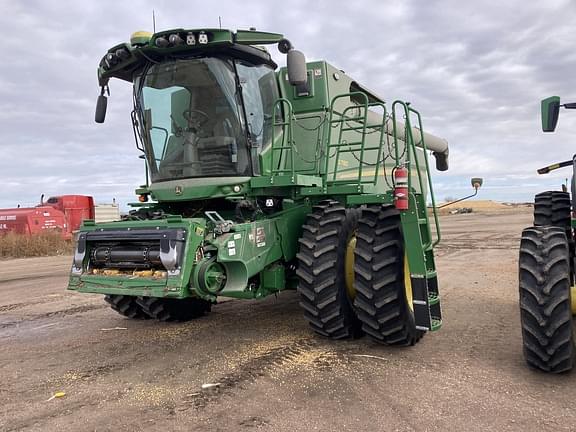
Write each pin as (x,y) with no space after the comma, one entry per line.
(461,199)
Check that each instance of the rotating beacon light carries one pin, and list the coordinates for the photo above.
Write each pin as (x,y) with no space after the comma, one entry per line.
(401,188)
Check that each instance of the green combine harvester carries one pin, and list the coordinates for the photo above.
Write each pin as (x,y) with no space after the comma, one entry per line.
(547,268)
(262,180)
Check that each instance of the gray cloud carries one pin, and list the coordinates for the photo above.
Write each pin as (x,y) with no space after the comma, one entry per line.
(476,72)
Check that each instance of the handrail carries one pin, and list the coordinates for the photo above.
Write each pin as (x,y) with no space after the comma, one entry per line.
(287,142)
(342,118)
(434,210)
(410,149)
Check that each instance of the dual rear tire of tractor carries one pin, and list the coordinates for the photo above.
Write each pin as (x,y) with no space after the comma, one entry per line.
(351,274)
(545,280)
(161,309)
(545,302)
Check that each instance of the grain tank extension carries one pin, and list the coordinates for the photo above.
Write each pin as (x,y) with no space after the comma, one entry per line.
(263,180)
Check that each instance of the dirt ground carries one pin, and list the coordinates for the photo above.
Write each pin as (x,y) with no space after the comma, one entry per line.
(274,374)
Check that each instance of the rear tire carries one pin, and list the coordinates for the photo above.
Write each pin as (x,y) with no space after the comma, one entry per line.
(545,304)
(381,301)
(127,306)
(552,208)
(321,270)
(167,309)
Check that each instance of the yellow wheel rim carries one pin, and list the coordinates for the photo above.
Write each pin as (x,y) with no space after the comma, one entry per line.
(408,284)
(573,299)
(349,267)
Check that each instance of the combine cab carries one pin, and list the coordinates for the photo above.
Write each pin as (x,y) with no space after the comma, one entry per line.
(263,180)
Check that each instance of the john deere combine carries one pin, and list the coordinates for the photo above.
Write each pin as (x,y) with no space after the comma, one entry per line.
(547,269)
(265,180)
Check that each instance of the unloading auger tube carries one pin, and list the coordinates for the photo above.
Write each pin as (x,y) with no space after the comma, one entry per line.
(438,146)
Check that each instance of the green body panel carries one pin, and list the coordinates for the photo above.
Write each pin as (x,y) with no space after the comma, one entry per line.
(245,251)
(195,189)
(169,286)
(333,139)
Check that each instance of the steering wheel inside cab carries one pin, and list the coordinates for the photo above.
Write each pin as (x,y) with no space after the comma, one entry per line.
(195,118)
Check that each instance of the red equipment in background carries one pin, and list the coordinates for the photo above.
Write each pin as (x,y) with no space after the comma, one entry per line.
(76,208)
(64,213)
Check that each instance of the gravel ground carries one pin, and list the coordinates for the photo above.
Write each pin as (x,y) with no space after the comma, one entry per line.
(274,374)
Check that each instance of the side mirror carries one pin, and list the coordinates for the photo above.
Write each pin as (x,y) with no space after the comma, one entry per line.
(296,63)
(101,105)
(476,182)
(550,107)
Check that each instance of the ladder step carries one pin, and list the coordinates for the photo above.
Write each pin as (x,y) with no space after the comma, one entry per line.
(430,274)
(436,324)
(433,298)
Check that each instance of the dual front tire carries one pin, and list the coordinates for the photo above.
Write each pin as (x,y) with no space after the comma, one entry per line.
(352,274)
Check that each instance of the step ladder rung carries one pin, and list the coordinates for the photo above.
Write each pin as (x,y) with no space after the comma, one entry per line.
(436,323)
(433,298)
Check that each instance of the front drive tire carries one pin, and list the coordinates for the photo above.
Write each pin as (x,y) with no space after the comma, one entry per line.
(545,304)
(383,298)
(321,270)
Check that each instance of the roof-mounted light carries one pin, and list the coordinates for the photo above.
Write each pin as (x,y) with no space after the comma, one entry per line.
(175,39)
(122,53)
(161,42)
(111,59)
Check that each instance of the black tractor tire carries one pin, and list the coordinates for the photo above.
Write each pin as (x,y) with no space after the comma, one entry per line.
(167,309)
(552,208)
(545,304)
(381,301)
(127,306)
(321,270)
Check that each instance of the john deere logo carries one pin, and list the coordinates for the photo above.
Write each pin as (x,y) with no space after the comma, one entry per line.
(178,190)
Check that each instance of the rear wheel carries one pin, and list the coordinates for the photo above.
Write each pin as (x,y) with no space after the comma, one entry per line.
(324,294)
(545,311)
(167,309)
(552,208)
(382,279)
(127,306)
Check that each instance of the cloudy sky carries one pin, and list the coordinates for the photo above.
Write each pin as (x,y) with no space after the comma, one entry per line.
(476,72)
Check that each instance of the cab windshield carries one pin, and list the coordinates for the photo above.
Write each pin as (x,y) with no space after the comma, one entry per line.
(194,122)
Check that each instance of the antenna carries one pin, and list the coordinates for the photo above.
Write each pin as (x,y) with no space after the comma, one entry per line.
(220,21)
(153,21)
